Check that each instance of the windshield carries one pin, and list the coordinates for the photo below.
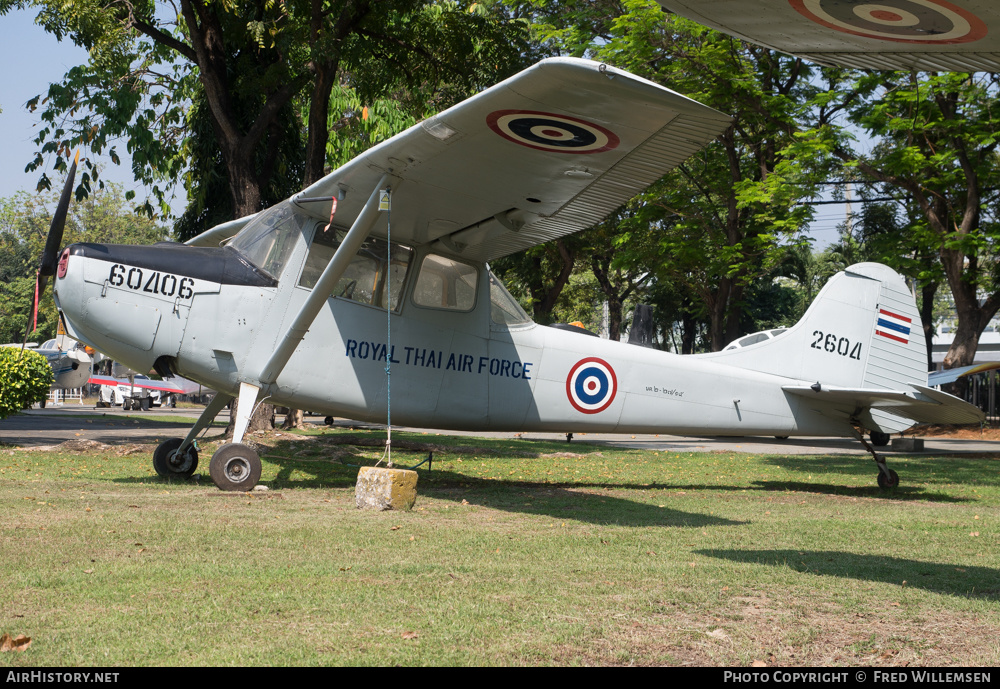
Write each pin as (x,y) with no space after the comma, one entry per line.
(267,241)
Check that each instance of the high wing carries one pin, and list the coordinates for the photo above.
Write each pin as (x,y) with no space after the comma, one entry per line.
(921,404)
(550,151)
(924,35)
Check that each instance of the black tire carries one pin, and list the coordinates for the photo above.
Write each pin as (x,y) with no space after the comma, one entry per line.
(328,421)
(781,437)
(888,483)
(879,439)
(235,467)
(144,404)
(169,464)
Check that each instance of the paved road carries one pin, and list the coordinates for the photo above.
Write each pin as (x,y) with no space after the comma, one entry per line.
(114,426)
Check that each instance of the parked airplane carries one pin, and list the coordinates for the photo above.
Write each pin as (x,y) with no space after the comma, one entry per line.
(923,35)
(70,362)
(381,267)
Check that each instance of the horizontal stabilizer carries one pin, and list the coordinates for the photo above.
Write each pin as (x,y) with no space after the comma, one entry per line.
(920,404)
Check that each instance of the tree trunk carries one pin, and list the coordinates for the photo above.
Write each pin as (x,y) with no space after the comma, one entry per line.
(294,419)
(262,419)
(927,293)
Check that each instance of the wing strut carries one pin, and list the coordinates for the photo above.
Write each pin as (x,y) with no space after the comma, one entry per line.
(310,309)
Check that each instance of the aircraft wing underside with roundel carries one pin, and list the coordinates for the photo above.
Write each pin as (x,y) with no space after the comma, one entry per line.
(550,151)
(923,35)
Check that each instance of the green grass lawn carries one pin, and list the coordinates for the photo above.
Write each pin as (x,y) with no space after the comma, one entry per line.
(517,553)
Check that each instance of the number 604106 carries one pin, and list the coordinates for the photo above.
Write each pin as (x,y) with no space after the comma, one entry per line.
(828,342)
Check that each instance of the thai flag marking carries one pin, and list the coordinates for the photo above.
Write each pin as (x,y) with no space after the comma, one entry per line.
(893,326)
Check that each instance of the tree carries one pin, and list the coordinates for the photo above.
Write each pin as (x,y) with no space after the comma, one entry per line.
(718,222)
(244,63)
(25,378)
(937,146)
(542,272)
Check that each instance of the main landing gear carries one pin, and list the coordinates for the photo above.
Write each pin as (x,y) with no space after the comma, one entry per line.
(887,478)
(170,461)
(234,466)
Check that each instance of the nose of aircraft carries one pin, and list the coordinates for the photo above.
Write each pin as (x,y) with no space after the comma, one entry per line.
(132,302)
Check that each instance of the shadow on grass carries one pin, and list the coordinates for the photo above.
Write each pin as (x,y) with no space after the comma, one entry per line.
(903,493)
(559,500)
(981,469)
(317,469)
(950,579)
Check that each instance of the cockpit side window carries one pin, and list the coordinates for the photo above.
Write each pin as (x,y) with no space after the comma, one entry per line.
(444,283)
(375,276)
(268,240)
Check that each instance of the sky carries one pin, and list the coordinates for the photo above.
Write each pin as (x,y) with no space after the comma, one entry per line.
(33,59)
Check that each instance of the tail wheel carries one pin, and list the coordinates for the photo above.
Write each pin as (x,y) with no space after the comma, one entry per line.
(235,467)
(888,482)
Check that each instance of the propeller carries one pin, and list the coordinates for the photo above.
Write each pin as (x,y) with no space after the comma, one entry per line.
(50,255)
(47,267)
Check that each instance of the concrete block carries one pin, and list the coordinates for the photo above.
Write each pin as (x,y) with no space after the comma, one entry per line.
(381,488)
(908,444)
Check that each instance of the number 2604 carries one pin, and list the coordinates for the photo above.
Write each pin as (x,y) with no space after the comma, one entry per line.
(828,342)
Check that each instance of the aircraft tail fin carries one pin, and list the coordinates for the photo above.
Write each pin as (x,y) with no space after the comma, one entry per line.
(862,333)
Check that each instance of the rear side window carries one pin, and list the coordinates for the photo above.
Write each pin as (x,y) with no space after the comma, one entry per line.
(444,283)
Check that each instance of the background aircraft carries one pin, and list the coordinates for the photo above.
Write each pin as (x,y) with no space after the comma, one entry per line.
(69,359)
(923,35)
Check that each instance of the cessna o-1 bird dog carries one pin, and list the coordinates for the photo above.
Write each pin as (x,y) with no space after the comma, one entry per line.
(382,267)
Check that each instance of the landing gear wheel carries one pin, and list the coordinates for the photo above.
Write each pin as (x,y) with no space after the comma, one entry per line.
(888,482)
(879,439)
(781,437)
(328,421)
(169,463)
(235,467)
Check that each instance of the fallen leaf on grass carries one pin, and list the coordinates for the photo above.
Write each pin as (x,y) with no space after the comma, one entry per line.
(409,635)
(758,663)
(17,643)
